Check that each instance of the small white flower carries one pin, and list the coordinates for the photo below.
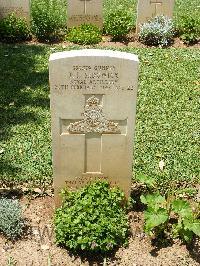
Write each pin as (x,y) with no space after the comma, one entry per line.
(161,165)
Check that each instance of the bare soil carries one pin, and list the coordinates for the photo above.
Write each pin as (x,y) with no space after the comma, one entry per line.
(131,40)
(37,247)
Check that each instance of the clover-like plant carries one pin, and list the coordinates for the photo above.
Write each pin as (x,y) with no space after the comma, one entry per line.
(85,34)
(92,219)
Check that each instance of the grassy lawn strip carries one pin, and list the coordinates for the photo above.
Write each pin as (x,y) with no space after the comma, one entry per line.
(167,114)
(182,7)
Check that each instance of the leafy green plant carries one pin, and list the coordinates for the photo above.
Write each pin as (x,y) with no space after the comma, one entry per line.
(158,31)
(48,19)
(14,29)
(188,28)
(11,261)
(11,220)
(92,219)
(118,22)
(159,214)
(147,181)
(85,34)
(188,224)
(156,213)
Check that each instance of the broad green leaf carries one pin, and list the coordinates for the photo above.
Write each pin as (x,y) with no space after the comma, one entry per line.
(194,226)
(143,199)
(149,181)
(187,235)
(153,219)
(182,208)
(153,200)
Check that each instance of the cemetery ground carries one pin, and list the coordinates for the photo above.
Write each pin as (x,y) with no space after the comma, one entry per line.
(38,247)
(167,129)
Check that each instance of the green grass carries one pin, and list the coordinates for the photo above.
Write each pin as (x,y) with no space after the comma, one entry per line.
(181,7)
(187,7)
(24,113)
(167,114)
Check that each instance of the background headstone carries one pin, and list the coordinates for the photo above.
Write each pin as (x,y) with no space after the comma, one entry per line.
(20,7)
(148,9)
(85,12)
(93,107)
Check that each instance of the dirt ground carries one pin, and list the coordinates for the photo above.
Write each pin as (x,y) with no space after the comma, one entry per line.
(130,41)
(133,42)
(37,247)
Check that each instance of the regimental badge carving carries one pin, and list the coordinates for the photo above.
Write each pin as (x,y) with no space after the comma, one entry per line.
(94,120)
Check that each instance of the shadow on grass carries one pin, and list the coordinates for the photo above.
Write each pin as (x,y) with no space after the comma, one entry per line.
(21,68)
(23,89)
(8,168)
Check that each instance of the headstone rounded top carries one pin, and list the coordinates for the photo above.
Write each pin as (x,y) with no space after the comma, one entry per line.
(93,53)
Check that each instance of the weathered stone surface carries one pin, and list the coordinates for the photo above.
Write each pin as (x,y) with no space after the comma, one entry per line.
(85,12)
(148,9)
(20,7)
(93,106)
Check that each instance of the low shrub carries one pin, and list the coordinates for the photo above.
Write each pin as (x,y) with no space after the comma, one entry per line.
(11,221)
(14,29)
(92,219)
(188,28)
(158,31)
(118,22)
(48,19)
(85,34)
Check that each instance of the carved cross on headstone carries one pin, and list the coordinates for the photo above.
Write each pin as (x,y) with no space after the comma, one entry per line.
(157,4)
(85,5)
(93,126)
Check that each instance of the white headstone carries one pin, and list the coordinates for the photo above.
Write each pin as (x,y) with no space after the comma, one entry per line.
(148,9)
(85,12)
(93,107)
(20,7)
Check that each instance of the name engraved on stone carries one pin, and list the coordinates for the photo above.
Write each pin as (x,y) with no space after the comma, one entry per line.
(85,12)
(85,18)
(21,8)
(104,77)
(75,184)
